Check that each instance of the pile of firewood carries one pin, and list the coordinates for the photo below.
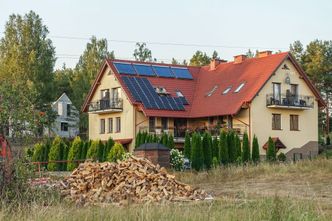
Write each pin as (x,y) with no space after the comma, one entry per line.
(134,180)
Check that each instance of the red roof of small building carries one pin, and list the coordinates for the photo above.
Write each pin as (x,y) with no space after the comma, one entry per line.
(205,92)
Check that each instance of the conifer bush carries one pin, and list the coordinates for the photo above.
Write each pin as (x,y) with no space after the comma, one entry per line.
(170,143)
(223,146)
(246,149)
(197,159)
(93,150)
(101,149)
(187,146)
(38,152)
(207,150)
(328,141)
(255,150)
(56,153)
(74,153)
(231,147)
(215,149)
(282,157)
(238,149)
(271,151)
(108,146)
(117,153)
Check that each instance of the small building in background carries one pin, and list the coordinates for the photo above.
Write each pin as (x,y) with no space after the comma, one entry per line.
(67,122)
(155,152)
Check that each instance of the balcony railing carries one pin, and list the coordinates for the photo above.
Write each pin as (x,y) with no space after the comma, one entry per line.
(290,101)
(112,105)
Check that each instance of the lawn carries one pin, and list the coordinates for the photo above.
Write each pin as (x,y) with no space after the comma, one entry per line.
(300,191)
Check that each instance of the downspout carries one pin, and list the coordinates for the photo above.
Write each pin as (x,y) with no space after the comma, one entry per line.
(134,129)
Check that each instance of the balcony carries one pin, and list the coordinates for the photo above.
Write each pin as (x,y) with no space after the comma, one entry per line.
(106,106)
(286,101)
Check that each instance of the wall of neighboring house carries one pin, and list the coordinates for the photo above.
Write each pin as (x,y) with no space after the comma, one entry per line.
(109,81)
(65,125)
(261,116)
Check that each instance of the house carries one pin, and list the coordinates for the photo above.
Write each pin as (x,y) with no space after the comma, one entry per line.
(269,95)
(67,122)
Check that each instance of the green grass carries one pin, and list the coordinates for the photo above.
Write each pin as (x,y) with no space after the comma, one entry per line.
(300,191)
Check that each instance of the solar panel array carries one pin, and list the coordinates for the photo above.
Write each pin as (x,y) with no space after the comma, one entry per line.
(153,70)
(142,91)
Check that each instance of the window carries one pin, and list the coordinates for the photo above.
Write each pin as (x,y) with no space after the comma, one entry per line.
(152,124)
(239,87)
(60,108)
(164,123)
(64,126)
(102,126)
(294,122)
(105,94)
(276,121)
(115,93)
(110,125)
(277,92)
(68,110)
(227,90)
(179,94)
(118,125)
(294,90)
(212,91)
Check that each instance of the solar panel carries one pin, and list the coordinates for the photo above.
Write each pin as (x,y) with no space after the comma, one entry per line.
(183,100)
(179,103)
(132,89)
(141,92)
(163,71)
(153,93)
(148,93)
(124,68)
(182,73)
(144,70)
(166,102)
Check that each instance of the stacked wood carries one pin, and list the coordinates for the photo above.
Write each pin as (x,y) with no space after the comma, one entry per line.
(134,180)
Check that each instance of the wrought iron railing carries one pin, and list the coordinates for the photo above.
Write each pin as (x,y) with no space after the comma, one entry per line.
(101,105)
(286,100)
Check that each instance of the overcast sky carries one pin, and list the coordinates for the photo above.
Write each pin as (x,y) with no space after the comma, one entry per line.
(230,27)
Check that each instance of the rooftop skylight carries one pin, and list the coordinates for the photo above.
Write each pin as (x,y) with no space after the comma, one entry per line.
(227,90)
(239,87)
(212,91)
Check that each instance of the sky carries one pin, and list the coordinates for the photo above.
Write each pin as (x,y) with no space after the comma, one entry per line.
(176,28)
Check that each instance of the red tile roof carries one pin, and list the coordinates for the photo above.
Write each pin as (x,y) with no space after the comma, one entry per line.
(253,72)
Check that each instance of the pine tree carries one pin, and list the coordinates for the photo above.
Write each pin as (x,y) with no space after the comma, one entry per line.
(255,150)
(187,146)
(224,157)
(107,148)
(231,147)
(216,151)
(197,160)
(246,149)
(74,153)
(138,139)
(101,149)
(271,155)
(55,154)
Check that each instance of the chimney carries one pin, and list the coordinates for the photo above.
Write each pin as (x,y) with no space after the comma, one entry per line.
(263,54)
(239,58)
(215,62)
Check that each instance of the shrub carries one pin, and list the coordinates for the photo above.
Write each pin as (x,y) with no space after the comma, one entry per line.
(215,162)
(282,157)
(328,141)
(238,150)
(164,139)
(93,150)
(108,146)
(207,150)
(74,153)
(64,155)
(177,159)
(246,149)
(170,143)
(101,150)
(117,153)
(197,159)
(215,149)
(255,150)
(138,139)
(56,153)
(224,157)
(38,153)
(231,147)
(271,151)
(187,146)
(84,150)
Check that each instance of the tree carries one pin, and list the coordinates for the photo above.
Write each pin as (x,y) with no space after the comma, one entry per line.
(271,155)
(187,146)
(85,72)
(215,55)
(200,59)
(238,150)
(255,150)
(74,153)
(207,150)
(197,159)
(28,56)
(110,143)
(224,157)
(216,151)
(164,139)
(246,148)
(170,143)
(117,152)
(63,80)
(56,153)
(38,152)
(142,53)
(101,149)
